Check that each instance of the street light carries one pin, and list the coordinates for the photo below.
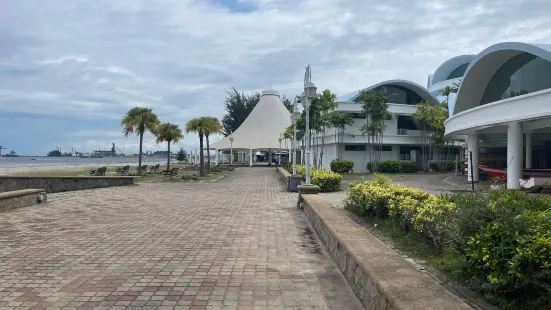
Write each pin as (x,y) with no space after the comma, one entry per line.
(295,117)
(308,94)
(231,149)
(280,149)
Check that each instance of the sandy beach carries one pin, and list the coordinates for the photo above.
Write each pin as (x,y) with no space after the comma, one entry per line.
(68,167)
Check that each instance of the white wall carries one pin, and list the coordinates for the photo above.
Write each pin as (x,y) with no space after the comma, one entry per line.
(361,158)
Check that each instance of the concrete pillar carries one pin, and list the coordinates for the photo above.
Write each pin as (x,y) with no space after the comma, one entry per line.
(216,157)
(251,157)
(472,150)
(528,151)
(514,155)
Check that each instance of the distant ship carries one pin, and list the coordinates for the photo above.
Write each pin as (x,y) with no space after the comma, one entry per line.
(11,154)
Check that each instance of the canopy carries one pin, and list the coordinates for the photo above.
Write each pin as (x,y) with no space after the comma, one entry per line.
(262,128)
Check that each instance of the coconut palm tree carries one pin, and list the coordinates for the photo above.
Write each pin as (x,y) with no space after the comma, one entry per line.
(197,125)
(212,126)
(170,133)
(138,120)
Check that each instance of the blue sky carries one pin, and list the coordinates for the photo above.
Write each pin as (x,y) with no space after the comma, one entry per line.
(69,70)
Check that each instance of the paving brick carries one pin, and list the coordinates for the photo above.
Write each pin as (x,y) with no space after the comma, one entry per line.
(234,244)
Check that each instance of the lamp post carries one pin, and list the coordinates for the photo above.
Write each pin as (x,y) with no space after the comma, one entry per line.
(279,159)
(295,117)
(231,149)
(308,94)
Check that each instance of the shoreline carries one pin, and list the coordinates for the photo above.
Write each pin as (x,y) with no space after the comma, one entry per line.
(21,170)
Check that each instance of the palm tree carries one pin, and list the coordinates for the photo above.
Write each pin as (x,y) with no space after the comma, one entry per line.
(139,120)
(170,133)
(212,126)
(197,125)
(339,120)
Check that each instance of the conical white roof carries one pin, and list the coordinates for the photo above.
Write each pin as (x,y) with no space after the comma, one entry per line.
(262,128)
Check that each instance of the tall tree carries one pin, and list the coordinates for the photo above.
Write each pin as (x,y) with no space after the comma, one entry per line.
(375,109)
(181,156)
(170,133)
(139,120)
(197,125)
(238,106)
(326,102)
(212,126)
(339,121)
(424,119)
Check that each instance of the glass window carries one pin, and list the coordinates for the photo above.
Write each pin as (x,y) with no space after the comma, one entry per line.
(358,115)
(406,122)
(400,95)
(354,147)
(383,148)
(522,74)
(458,72)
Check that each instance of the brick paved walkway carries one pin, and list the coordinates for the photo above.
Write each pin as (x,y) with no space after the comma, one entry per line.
(235,244)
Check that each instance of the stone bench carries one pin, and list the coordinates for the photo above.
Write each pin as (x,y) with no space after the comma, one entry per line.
(21,198)
(380,277)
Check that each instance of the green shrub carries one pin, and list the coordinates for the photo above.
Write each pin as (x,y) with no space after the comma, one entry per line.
(190,177)
(448,165)
(327,181)
(342,166)
(511,251)
(215,169)
(394,166)
(505,236)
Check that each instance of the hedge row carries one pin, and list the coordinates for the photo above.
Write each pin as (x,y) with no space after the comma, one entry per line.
(448,165)
(342,166)
(394,166)
(505,236)
(327,181)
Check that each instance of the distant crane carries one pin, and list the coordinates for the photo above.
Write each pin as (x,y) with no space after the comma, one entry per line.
(2,148)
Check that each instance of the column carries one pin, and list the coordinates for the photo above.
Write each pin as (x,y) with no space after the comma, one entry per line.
(528,151)
(216,157)
(514,155)
(251,157)
(472,151)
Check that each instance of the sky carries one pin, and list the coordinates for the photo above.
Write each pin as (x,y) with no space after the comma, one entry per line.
(70,69)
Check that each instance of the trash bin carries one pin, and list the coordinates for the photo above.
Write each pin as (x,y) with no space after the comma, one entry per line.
(293,181)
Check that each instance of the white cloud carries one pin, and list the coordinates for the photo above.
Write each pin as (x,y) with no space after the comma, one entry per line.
(63,59)
(95,60)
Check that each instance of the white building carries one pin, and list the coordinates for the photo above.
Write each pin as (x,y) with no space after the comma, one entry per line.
(401,138)
(505,102)
(448,73)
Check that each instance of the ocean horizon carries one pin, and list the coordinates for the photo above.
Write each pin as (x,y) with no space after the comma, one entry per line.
(42,161)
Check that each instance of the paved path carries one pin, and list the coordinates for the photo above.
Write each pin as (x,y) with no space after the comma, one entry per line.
(235,244)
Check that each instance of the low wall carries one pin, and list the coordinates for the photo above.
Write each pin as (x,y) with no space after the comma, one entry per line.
(379,277)
(283,173)
(61,184)
(21,198)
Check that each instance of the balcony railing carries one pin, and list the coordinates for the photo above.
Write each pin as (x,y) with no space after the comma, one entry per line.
(402,132)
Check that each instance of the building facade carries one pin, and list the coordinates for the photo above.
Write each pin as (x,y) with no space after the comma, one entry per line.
(401,138)
(504,103)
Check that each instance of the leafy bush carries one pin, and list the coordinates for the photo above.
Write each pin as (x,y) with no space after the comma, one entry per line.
(215,169)
(448,165)
(505,236)
(190,177)
(327,181)
(341,165)
(394,166)
(509,248)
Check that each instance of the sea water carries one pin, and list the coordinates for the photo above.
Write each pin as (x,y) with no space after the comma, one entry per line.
(13,162)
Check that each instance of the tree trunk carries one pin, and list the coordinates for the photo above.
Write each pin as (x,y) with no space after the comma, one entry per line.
(168,158)
(201,157)
(140,154)
(208,152)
